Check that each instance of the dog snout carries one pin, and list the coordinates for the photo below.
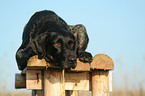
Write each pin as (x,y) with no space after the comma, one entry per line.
(72,59)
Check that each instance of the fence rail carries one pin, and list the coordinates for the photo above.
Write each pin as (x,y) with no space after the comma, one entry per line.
(47,80)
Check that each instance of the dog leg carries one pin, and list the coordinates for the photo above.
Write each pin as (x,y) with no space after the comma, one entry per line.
(22,57)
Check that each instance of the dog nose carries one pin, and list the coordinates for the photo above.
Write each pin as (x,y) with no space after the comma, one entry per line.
(72,59)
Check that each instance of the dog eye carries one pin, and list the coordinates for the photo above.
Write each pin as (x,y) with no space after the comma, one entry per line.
(57,44)
(72,44)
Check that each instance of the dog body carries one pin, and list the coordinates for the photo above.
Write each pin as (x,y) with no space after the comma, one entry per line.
(49,37)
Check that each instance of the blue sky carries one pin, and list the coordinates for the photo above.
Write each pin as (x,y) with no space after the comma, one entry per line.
(115,28)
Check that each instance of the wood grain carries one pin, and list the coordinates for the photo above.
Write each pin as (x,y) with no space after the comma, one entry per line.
(34,80)
(103,62)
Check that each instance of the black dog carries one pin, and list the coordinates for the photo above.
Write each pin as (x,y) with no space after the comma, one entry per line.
(49,37)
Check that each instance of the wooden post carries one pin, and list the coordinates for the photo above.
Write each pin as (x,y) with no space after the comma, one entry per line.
(53,81)
(100,83)
(100,74)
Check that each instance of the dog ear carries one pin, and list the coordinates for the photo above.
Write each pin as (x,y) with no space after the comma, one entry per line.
(80,33)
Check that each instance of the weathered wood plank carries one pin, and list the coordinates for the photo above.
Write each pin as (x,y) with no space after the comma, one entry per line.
(81,66)
(20,81)
(73,81)
(35,63)
(77,81)
(34,80)
(100,61)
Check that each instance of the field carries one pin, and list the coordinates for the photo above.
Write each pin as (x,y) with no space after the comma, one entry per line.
(15,93)
(81,93)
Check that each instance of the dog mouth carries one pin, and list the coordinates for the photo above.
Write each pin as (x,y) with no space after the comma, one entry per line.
(73,66)
(68,66)
(72,59)
(70,62)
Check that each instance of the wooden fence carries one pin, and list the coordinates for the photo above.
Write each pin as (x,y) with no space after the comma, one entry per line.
(46,80)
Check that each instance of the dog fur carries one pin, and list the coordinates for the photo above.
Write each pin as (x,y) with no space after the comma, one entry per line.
(49,37)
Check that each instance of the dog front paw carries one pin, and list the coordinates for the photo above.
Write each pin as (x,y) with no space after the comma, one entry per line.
(85,57)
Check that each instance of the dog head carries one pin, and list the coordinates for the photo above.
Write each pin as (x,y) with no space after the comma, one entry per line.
(60,48)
